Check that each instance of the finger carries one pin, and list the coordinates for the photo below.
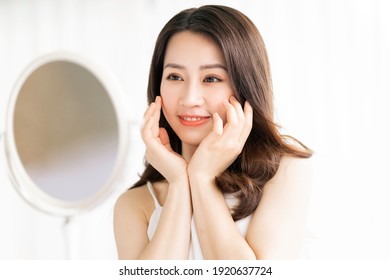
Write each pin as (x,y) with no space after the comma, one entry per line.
(153,142)
(157,111)
(237,106)
(153,107)
(248,112)
(231,115)
(217,125)
(156,116)
(217,130)
(149,112)
(146,131)
(233,128)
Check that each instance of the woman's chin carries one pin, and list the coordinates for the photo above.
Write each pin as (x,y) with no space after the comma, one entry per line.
(192,141)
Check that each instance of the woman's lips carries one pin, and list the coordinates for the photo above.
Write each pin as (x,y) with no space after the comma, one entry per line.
(193,120)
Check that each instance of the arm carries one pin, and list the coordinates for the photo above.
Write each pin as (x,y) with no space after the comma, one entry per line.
(172,236)
(277,227)
(218,234)
(130,224)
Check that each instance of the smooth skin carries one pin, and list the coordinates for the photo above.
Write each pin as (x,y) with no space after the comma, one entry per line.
(196,88)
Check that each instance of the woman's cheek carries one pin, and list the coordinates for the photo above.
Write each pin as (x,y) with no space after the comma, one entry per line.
(165,112)
(168,112)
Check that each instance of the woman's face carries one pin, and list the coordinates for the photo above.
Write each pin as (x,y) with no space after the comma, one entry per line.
(194,83)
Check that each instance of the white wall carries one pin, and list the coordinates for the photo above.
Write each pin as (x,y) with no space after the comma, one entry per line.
(330,63)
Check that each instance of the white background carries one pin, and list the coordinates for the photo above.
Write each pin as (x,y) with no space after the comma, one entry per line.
(330,65)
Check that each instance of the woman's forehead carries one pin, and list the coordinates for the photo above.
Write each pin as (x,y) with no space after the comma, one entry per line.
(187,47)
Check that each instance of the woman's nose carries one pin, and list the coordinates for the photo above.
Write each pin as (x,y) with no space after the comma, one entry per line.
(192,95)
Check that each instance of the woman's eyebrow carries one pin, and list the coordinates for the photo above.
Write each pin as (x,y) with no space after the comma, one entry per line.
(202,67)
(215,65)
(174,65)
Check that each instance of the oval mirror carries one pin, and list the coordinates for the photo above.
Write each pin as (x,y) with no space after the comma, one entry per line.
(65,135)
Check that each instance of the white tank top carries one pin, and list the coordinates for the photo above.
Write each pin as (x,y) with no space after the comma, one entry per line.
(195,252)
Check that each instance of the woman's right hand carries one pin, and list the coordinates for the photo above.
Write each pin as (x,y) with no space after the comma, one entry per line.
(159,152)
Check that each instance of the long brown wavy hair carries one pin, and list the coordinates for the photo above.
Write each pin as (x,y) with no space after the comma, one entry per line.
(249,71)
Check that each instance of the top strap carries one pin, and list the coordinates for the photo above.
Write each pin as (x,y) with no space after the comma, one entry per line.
(152,193)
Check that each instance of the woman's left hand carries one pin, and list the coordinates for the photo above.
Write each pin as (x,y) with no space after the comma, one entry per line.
(224,143)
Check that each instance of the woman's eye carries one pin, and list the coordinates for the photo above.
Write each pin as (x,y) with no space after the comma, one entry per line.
(211,80)
(174,77)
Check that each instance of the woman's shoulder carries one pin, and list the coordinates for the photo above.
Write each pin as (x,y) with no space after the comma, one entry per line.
(285,199)
(288,161)
(134,194)
(136,200)
(293,169)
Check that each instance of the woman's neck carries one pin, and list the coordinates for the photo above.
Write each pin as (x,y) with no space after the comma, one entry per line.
(187,151)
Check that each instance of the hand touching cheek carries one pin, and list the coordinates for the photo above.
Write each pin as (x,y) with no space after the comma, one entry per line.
(224,143)
(159,152)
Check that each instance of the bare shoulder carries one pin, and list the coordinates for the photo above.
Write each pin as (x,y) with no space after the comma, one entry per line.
(293,169)
(292,183)
(137,201)
(132,212)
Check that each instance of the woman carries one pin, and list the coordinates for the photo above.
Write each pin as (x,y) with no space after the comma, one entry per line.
(220,181)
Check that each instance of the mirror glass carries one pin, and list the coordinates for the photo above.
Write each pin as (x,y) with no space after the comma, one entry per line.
(65,131)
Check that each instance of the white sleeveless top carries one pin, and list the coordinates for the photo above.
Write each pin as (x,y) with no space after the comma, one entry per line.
(195,252)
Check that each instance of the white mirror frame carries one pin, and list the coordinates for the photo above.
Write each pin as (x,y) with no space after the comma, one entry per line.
(17,173)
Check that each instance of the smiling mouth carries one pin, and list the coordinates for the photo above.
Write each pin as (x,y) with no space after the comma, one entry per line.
(193,120)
